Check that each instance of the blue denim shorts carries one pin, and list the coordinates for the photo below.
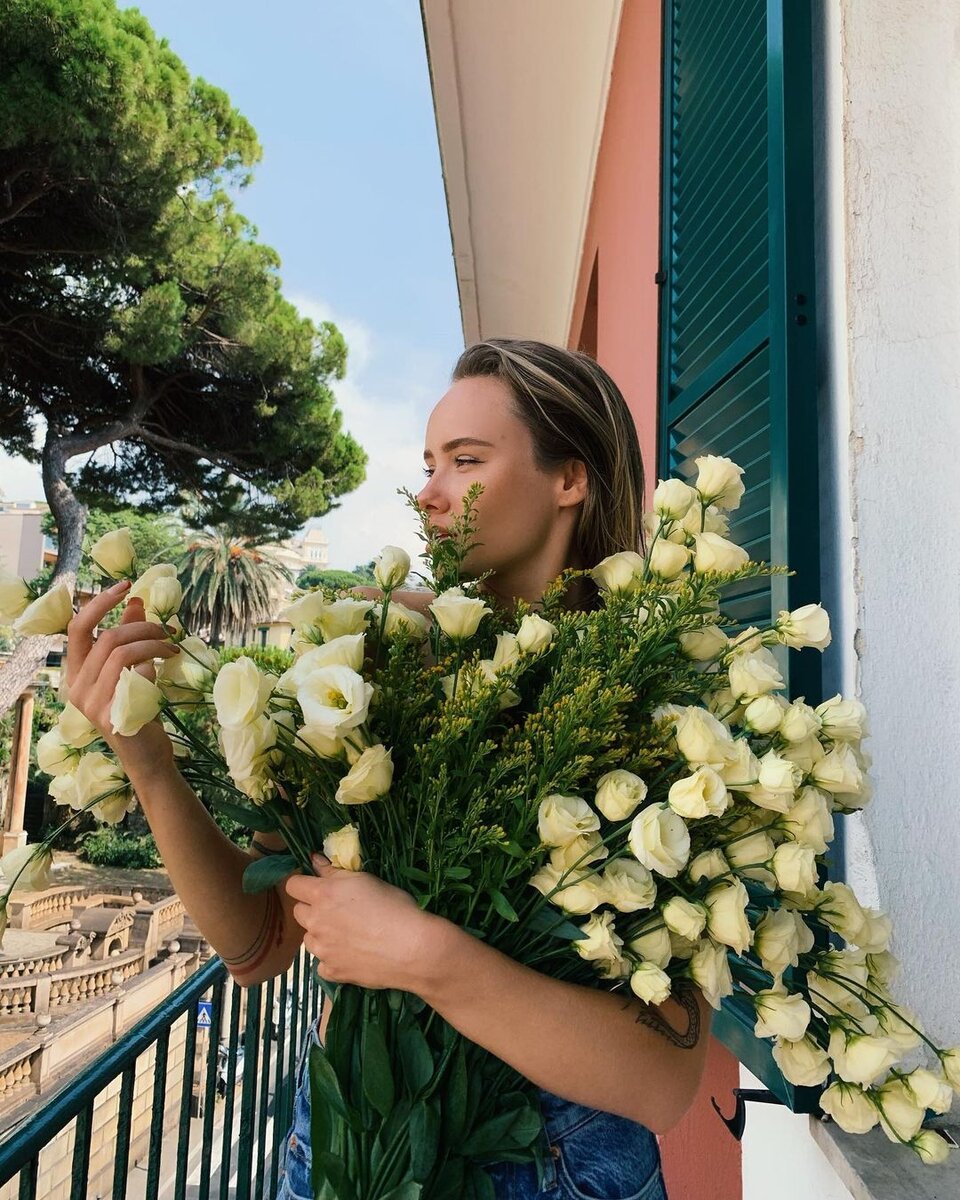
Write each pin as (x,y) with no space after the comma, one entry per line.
(592,1155)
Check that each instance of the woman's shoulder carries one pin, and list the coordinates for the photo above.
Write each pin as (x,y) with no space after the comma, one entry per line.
(417,599)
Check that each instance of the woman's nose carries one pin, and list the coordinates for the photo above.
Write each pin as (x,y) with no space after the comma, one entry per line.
(430,496)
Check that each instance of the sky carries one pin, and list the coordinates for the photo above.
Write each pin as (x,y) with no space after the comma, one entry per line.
(350,193)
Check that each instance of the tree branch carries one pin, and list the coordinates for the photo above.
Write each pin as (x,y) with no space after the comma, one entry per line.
(219,457)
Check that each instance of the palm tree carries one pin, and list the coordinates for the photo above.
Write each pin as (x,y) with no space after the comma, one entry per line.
(229,584)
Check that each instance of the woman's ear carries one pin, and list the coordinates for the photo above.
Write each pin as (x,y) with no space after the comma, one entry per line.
(573,483)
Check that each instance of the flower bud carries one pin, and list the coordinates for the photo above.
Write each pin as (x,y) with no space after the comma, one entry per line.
(114,553)
(391,568)
(48,614)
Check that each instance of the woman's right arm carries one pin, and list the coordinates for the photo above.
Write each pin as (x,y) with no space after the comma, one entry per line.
(256,936)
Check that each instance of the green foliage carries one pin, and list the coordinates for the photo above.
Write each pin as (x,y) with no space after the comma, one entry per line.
(273,659)
(364,572)
(314,577)
(156,538)
(229,584)
(110,846)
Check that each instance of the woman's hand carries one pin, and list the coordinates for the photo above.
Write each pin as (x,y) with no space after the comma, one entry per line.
(94,664)
(362,930)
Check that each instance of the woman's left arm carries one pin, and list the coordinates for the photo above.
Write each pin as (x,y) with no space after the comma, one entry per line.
(596,1048)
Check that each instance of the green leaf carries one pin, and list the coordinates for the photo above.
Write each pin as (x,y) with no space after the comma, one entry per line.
(513,849)
(503,905)
(266,873)
(415,874)
(324,1085)
(457,872)
(448,1184)
(259,819)
(455,1098)
(506,1131)
(377,1074)
(481,1184)
(555,924)
(406,1191)
(330,1171)
(415,1056)
(424,1139)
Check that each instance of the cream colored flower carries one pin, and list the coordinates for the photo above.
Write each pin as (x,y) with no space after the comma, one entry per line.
(838,771)
(667,560)
(808,821)
(345,651)
(97,776)
(780,776)
(165,597)
(764,713)
(660,840)
(391,567)
(619,572)
(929,1090)
(726,905)
(600,942)
(781,1014)
(684,918)
(850,1107)
(618,794)
(702,794)
(654,946)
(709,864)
(754,673)
(704,645)
(950,1062)
(74,727)
(136,701)
(400,618)
(710,971)
(802,1063)
(63,789)
(323,744)
(628,885)
(749,854)
(576,892)
(244,746)
(334,699)
(805,754)
(842,720)
(800,721)
(143,586)
(459,616)
(189,673)
(795,867)
(805,626)
(719,481)
(587,848)
(744,770)
(931,1147)
(835,986)
(703,740)
(342,847)
(900,1115)
(48,614)
(507,653)
(113,808)
(715,553)
(874,935)
(14,597)
(781,937)
(343,617)
(712,521)
(369,778)
(840,910)
(650,983)
(54,756)
(672,498)
(27,868)
(304,613)
(114,553)
(860,1058)
(241,692)
(535,634)
(562,819)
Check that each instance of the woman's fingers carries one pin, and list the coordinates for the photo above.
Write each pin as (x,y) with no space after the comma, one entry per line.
(81,628)
(129,654)
(126,633)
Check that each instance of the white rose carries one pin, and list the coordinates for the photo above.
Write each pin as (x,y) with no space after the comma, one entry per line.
(670,530)
(535,634)
(834,996)
(660,840)
(800,721)
(781,937)
(562,819)
(744,770)
(795,867)
(749,854)
(143,586)
(703,740)
(747,641)
(54,756)
(345,651)
(342,847)
(600,942)
(112,809)
(754,673)
(628,886)
(901,1027)
(840,910)
(684,918)
(710,971)
(808,625)
(805,754)
(842,720)
(74,727)
(166,595)
(343,617)
(244,746)
(459,616)
(672,498)
(718,481)
(667,559)
(702,794)
(704,644)
(323,744)
(711,521)
(576,892)
(931,1147)
(241,692)
(96,776)
(838,771)
(929,1090)
(715,553)
(136,701)
(764,713)
(369,778)
(114,553)
(619,572)
(586,848)
(874,936)
(305,612)
(779,775)
(802,1063)
(391,568)
(950,1062)
(900,1115)
(507,653)
(63,789)
(708,865)
(334,699)
(781,1014)
(411,622)
(618,794)
(650,983)
(654,946)
(27,868)
(14,597)
(726,906)
(852,1110)
(49,613)
(190,671)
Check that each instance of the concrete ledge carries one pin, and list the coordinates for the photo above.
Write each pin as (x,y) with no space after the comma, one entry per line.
(872,1167)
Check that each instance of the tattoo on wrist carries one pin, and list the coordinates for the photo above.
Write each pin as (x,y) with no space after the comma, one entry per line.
(265,850)
(651,1016)
(269,935)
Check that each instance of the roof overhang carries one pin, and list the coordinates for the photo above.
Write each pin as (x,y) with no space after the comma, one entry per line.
(519,90)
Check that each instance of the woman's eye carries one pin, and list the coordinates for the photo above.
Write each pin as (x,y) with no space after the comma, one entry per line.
(461,461)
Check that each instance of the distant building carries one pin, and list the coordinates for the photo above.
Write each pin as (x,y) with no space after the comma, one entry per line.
(312,549)
(24,550)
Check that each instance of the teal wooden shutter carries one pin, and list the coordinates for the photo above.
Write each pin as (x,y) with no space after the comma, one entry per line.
(737,327)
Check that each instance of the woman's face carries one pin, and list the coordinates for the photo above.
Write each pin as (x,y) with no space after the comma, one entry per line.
(525,516)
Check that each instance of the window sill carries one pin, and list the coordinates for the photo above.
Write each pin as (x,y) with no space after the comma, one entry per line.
(872,1167)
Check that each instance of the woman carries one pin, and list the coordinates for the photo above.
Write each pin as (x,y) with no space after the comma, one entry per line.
(550,438)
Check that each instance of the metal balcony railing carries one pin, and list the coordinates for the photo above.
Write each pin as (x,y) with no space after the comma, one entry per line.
(191,1104)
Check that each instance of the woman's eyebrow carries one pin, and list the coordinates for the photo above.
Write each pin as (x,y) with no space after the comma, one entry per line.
(461,441)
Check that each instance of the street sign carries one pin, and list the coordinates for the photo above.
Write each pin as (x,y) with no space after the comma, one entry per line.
(204,1014)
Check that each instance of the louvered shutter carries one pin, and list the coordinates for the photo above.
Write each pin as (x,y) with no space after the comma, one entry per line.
(737,328)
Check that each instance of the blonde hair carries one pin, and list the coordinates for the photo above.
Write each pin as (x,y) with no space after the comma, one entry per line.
(573,409)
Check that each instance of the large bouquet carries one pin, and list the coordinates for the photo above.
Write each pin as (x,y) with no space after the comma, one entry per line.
(619,797)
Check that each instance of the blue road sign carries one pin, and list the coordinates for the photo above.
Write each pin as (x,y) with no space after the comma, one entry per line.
(204,1014)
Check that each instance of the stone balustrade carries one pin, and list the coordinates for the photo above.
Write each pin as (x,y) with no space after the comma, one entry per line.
(42,993)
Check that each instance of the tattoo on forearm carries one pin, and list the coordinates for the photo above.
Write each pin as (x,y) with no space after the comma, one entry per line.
(269,935)
(650,1015)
